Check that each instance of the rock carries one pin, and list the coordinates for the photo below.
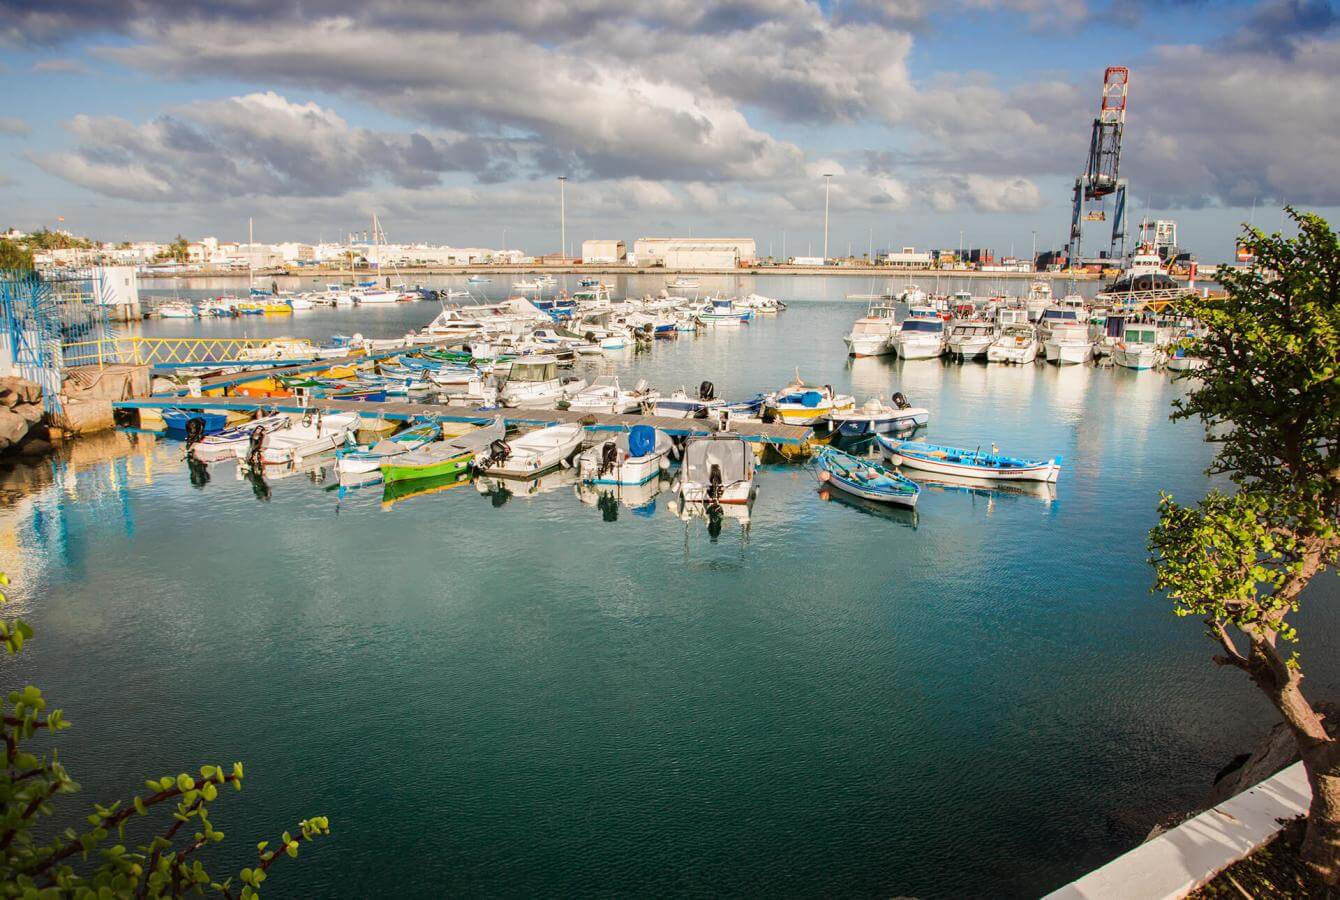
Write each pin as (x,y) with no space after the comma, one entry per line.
(29,392)
(31,412)
(12,427)
(8,397)
(83,416)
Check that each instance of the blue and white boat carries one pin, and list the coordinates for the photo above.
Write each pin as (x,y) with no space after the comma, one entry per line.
(988,466)
(874,416)
(362,462)
(865,478)
(177,419)
(635,456)
(722,311)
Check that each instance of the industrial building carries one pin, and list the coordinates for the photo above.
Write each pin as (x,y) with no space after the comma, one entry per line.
(909,258)
(695,252)
(604,251)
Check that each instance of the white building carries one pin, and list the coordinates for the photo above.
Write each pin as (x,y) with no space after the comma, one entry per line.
(910,258)
(695,252)
(604,251)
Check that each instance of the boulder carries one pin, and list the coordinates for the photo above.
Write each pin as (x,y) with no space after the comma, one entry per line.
(12,427)
(31,412)
(84,416)
(29,392)
(8,398)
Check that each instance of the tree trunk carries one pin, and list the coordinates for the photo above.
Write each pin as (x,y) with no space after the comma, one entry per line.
(1321,843)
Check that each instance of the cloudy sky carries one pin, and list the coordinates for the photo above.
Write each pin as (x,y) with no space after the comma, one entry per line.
(452,120)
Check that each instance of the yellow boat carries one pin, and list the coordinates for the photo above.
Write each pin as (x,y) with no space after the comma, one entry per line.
(278,309)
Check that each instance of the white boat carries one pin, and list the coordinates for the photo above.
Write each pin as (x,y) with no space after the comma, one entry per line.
(682,283)
(635,456)
(717,470)
(299,301)
(304,436)
(176,311)
(357,463)
(970,338)
(226,444)
(604,395)
(1017,344)
(374,297)
(525,286)
(874,416)
(873,334)
(803,404)
(760,304)
(1068,344)
(1138,347)
(1179,361)
(1039,298)
(1069,310)
(532,453)
(478,279)
(721,312)
(533,381)
(922,335)
(912,295)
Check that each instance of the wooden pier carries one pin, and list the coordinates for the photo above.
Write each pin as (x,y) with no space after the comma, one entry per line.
(520,417)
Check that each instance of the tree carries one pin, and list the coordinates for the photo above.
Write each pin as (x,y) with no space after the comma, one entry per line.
(14,255)
(1269,395)
(179,249)
(79,861)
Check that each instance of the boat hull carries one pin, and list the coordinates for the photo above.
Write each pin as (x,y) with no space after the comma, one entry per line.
(393,471)
(1045,472)
(1068,354)
(907,500)
(1134,357)
(919,349)
(881,424)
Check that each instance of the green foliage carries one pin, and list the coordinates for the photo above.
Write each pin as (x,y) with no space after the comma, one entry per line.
(44,239)
(14,255)
(1269,395)
(93,860)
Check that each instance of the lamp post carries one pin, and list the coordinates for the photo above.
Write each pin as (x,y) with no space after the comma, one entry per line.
(563,217)
(828,181)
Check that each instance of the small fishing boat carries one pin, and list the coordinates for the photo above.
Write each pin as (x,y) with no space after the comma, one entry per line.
(178,420)
(604,395)
(478,279)
(991,466)
(227,442)
(1138,347)
(802,404)
(874,416)
(376,297)
(436,459)
(530,454)
(717,470)
(307,436)
(683,283)
(525,286)
(534,382)
(635,456)
(362,462)
(865,479)
(1068,343)
(1179,360)
(721,312)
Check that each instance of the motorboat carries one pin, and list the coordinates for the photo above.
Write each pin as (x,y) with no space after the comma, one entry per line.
(1038,299)
(955,461)
(1017,344)
(1069,310)
(533,453)
(376,297)
(874,416)
(760,304)
(1068,344)
(802,404)
(533,381)
(865,478)
(226,443)
(970,338)
(912,295)
(1179,360)
(1139,346)
(922,335)
(365,461)
(304,436)
(722,312)
(716,470)
(604,395)
(478,279)
(635,456)
(873,334)
(683,284)
(177,311)
(527,286)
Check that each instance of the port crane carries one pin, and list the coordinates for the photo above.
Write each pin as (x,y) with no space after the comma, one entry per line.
(1100,179)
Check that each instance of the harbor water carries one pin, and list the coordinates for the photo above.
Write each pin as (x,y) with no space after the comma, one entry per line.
(533,691)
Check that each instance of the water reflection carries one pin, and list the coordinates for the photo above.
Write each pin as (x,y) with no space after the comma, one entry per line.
(640,498)
(886,511)
(399,491)
(500,489)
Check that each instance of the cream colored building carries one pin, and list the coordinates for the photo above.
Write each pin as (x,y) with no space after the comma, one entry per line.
(604,251)
(695,252)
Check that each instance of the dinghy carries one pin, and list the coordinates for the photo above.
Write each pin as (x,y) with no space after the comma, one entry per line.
(718,469)
(604,395)
(991,466)
(532,453)
(635,456)
(865,479)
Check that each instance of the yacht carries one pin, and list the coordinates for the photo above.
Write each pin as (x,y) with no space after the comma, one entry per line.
(1068,343)
(969,338)
(1017,344)
(922,335)
(873,334)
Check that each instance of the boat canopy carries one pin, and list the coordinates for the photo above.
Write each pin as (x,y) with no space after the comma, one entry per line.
(930,326)
(731,456)
(534,370)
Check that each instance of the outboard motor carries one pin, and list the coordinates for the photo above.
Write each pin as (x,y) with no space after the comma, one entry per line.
(707,391)
(195,431)
(255,445)
(714,486)
(900,401)
(609,455)
(499,451)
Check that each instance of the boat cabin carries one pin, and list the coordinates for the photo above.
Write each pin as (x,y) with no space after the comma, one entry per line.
(537,368)
(920,325)
(1140,334)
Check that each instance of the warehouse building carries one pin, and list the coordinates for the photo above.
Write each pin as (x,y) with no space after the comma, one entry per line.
(695,252)
(604,251)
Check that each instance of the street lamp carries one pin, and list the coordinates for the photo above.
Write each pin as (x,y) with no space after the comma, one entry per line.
(562,217)
(828,180)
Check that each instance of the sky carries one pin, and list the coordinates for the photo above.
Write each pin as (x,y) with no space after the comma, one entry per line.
(941,122)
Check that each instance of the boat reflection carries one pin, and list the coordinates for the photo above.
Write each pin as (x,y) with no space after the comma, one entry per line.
(499,489)
(715,514)
(640,498)
(895,514)
(399,491)
(950,484)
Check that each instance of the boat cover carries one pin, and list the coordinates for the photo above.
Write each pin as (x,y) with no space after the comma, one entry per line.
(641,440)
(730,455)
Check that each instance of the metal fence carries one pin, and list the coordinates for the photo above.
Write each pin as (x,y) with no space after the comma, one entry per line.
(156,351)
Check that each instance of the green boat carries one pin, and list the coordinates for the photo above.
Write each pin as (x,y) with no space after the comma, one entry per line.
(431,461)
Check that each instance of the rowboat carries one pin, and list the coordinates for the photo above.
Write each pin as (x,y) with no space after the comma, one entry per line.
(718,469)
(363,462)
(990,466)
(865,479)
(533,453)
(434,460)
(635,456)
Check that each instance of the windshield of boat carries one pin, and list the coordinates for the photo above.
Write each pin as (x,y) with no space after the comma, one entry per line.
(932,326)
(604,381)
(1140,335)
(534,371)
(1060,314)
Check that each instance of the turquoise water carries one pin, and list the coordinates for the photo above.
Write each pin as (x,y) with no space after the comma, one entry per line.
(526,693)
